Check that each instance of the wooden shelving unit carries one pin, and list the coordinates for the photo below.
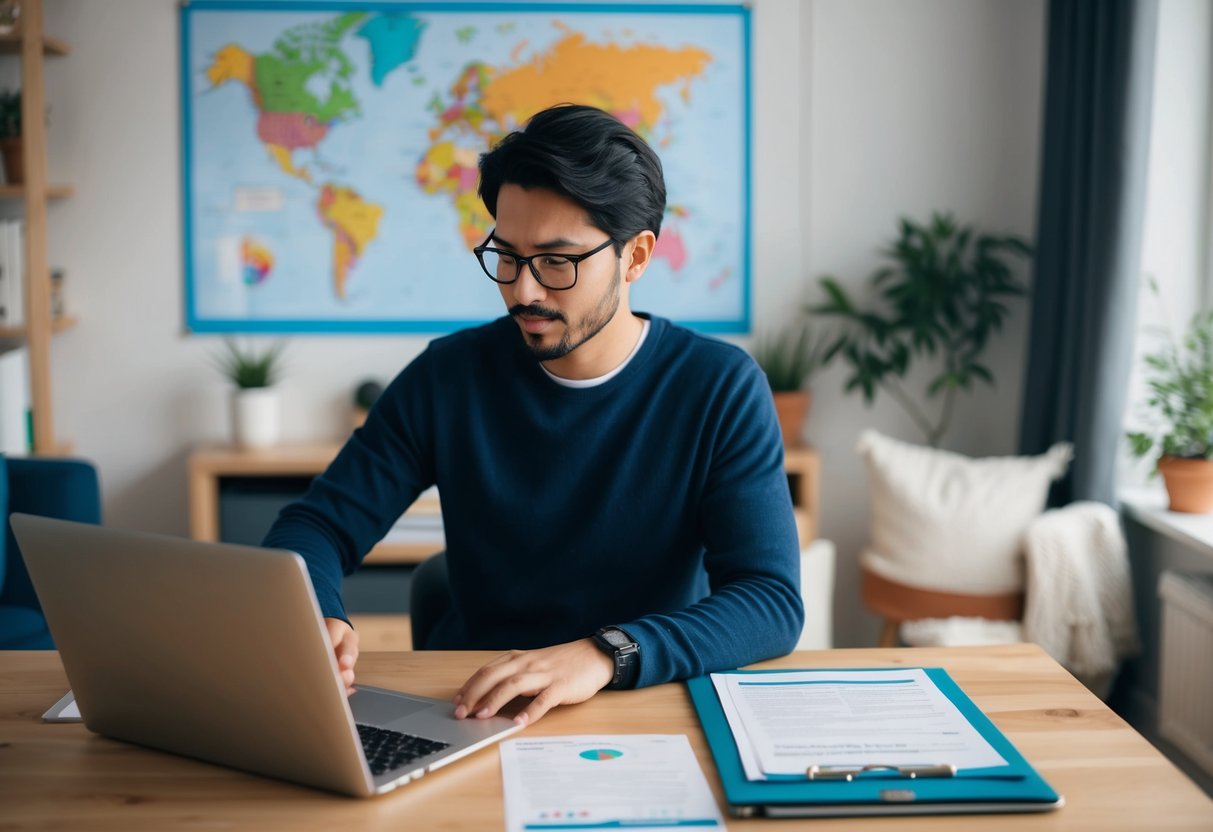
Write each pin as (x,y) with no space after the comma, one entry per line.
(20,333)
(11,44)
(33,46)
(19,191)
(208,465)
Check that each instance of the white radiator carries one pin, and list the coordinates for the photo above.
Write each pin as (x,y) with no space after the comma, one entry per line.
(1185,717)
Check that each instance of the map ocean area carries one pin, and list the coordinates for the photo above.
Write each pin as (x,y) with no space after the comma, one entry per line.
(332,157)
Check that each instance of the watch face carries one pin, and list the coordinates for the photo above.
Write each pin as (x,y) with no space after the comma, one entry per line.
(615,638)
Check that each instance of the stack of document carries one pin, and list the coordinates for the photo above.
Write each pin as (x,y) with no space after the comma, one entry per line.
(831,743)
(786,724)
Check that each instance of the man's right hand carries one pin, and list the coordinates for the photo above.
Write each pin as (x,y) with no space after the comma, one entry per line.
(345,646)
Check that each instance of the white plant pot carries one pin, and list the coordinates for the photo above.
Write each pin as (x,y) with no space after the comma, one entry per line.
(257,417)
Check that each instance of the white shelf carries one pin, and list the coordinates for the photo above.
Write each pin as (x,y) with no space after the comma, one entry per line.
(1148,506)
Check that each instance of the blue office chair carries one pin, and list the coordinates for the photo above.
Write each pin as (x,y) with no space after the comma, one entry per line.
(63,488)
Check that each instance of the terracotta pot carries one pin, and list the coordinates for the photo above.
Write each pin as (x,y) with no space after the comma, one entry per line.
(792,409)
(14,161)
(1189,483)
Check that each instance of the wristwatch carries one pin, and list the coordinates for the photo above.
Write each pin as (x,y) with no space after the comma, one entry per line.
(624,652)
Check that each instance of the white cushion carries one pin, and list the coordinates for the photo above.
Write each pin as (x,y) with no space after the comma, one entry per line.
(951,523)
(959,632)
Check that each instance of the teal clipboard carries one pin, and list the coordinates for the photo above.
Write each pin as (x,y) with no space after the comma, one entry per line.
(1016,787)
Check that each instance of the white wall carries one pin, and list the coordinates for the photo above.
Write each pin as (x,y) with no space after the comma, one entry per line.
(864,110)
(912,107)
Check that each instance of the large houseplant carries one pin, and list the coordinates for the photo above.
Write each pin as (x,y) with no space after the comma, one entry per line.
(789,358)
(1180,406)
(256,404)
(940,300)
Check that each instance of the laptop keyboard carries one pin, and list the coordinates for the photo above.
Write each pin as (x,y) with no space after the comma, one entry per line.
(386,750)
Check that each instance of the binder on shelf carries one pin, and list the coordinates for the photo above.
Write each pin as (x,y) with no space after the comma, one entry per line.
(875,789)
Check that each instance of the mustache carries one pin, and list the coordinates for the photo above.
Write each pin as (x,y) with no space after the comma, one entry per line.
(534,310)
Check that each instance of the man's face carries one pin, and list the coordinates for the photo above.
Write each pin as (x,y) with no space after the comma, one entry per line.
(555,322)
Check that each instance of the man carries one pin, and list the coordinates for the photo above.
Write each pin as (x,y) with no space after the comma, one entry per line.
(612,485)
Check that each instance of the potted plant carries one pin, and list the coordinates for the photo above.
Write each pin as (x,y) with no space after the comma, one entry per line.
(789,358)
(256,407)
(1180,383)
(10,137)
(941,298)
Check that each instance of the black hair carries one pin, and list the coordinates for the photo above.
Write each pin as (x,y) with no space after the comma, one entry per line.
(589,156)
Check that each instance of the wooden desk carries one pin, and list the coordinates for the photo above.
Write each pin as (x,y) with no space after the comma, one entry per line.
(63,777)
(208,465)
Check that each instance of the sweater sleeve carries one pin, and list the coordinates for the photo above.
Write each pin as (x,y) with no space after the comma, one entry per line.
(376,476)
(752,554)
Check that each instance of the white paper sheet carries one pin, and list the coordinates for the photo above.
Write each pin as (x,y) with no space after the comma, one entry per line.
(65,710)
(786,722)
(638,782)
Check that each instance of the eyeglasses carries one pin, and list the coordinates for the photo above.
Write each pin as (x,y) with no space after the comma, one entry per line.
(552,270)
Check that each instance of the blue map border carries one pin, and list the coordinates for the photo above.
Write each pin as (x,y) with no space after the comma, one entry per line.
(196,324)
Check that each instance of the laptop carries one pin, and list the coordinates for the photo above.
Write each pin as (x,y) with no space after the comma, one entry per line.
(219,652)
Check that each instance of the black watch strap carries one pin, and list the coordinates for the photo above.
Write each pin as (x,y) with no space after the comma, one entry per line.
(624,652)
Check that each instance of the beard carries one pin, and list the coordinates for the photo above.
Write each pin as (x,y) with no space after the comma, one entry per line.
(575,334)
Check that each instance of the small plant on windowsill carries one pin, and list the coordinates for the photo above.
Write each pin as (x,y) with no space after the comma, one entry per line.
(1180,410)
(790,358)
(256,404)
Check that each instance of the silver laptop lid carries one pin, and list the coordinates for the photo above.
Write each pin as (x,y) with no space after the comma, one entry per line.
(212,651)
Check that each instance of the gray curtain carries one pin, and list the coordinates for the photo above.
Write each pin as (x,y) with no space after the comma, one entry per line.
(1098,89)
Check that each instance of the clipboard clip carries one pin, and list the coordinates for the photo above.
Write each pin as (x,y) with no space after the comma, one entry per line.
(908,772)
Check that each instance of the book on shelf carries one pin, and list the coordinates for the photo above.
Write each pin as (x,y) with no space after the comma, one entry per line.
(12,273)
(15,407)
(422,523)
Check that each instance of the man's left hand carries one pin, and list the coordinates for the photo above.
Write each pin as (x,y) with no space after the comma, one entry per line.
(564,674)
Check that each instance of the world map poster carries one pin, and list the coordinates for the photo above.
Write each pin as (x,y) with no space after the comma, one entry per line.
(331,150)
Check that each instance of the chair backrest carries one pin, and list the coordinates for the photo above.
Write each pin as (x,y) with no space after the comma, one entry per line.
(896,602)
(429,598)
(66,489)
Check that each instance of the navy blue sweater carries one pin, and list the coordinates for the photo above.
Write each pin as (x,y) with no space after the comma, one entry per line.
(656,502)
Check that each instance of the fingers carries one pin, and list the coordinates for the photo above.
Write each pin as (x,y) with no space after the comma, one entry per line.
(468,700)
(501,694)
(539,706)
(558,675)
(345,648)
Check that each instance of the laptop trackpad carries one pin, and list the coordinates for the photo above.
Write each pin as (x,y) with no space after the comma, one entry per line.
(378,707)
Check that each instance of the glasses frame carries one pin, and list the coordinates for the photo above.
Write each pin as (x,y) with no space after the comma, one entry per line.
(519,261)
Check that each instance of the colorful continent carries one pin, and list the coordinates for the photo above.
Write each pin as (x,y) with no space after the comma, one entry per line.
(393,39)
(620,79)
(485,103)
(354,223)
(291,116)
(256,261)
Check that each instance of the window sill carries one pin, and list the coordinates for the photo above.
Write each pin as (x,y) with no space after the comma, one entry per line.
(1148,506)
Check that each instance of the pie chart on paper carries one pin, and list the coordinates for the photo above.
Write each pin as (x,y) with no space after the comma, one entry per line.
(600,754)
